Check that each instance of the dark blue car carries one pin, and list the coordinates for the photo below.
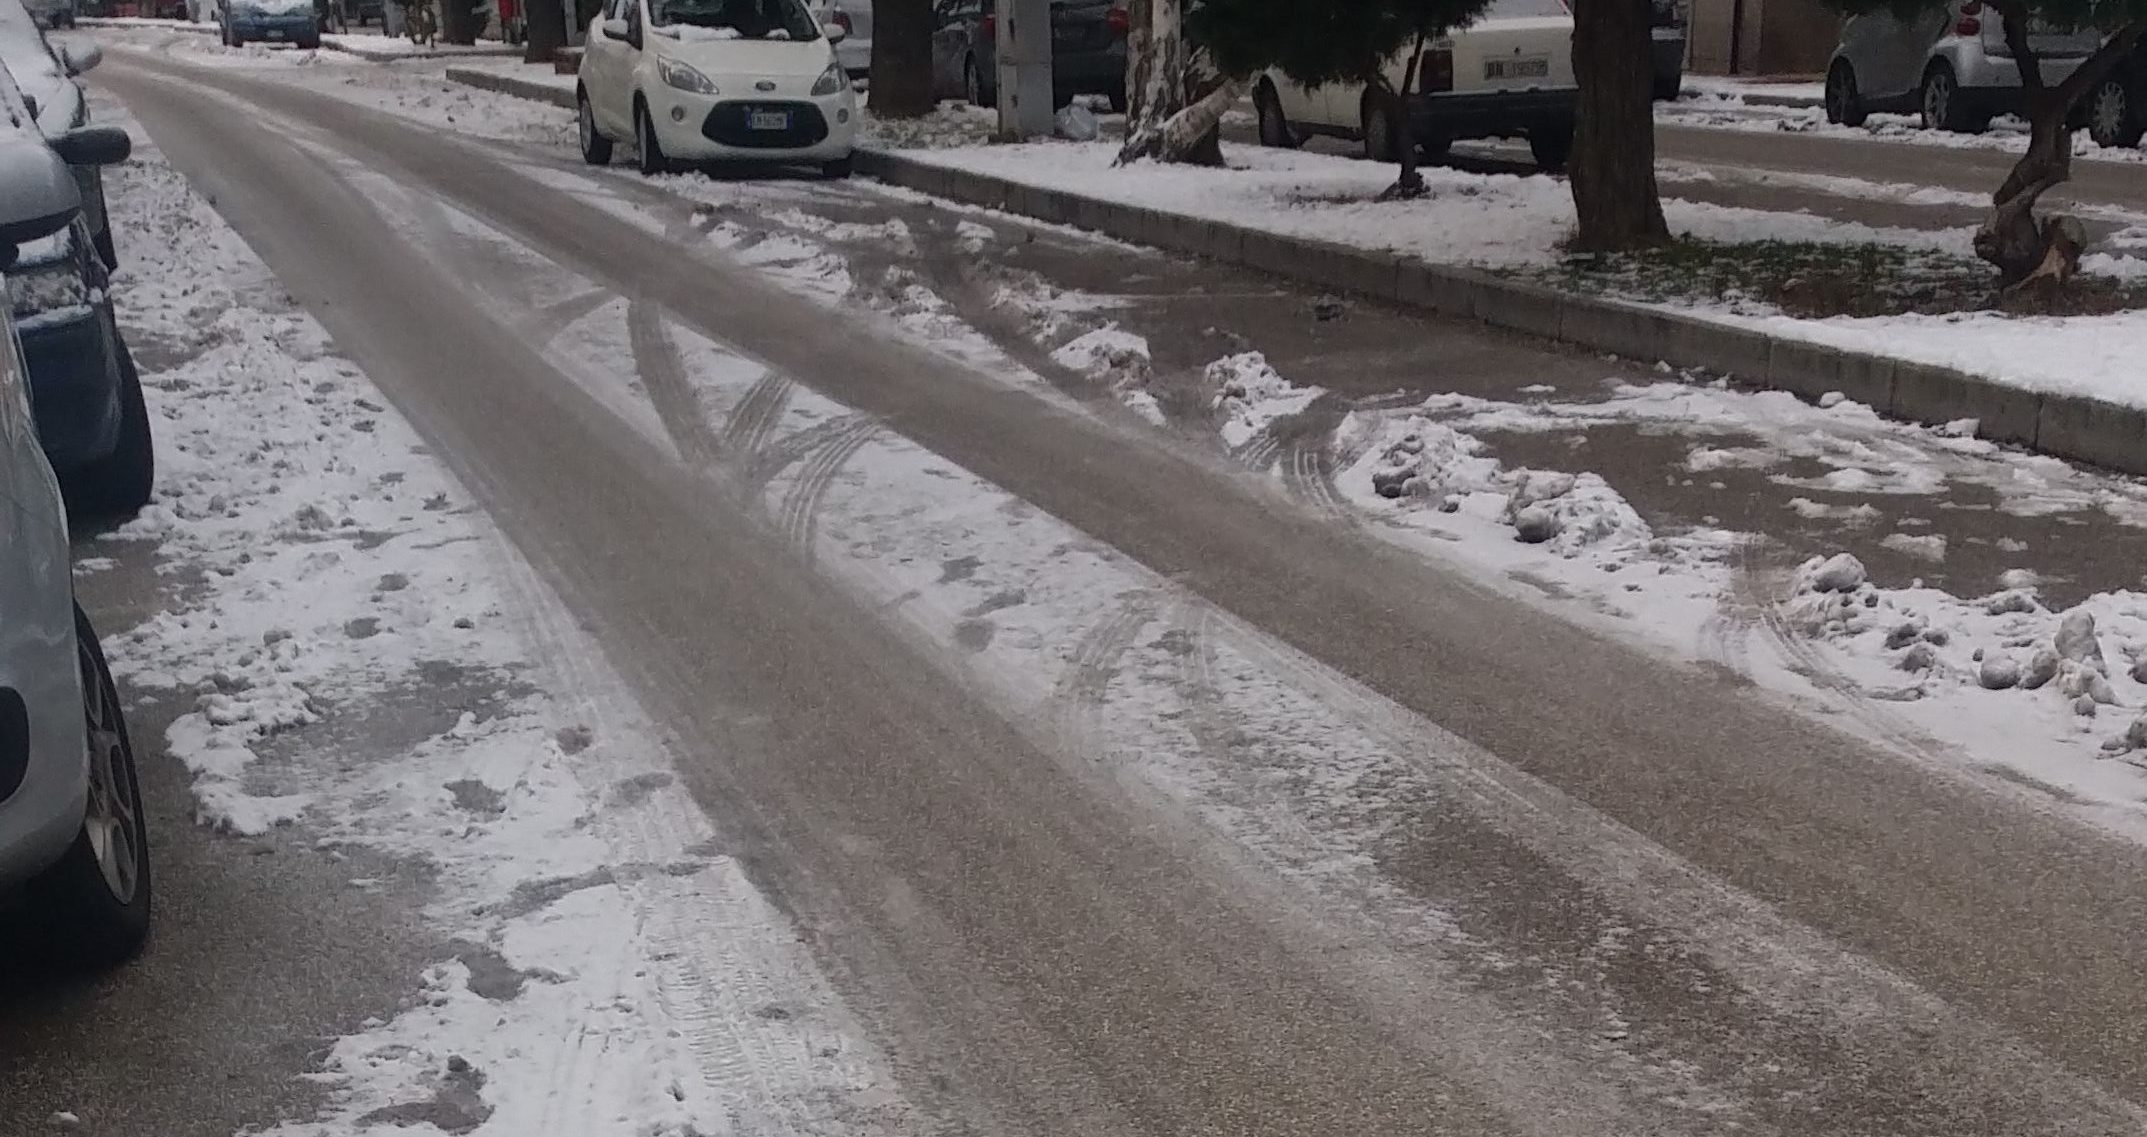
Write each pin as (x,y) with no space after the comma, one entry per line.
(272,21)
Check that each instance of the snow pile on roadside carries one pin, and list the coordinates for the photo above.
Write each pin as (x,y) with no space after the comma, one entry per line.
(334,592)
(2087,661)
(1422,463)
(952,123)
(1111,355)
(1251,395)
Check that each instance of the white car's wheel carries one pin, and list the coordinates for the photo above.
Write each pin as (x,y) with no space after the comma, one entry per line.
(648,150)
(595,148)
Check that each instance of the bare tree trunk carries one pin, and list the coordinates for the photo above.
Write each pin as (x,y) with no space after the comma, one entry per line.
(1160,70)
(1613,163)
(1140,59)
(458,21)
(2027,252)
(546,23)
(1410,183)
(1186,132)
(901,58)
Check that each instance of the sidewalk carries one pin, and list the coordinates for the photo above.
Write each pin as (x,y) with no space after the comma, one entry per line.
(368,46)
(2048,384)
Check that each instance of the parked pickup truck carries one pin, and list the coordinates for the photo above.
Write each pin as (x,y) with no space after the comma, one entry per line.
(1509,74)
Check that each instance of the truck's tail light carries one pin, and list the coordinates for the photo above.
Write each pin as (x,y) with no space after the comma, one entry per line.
(1970,24)
(1118,21)
(842,20)
(991,26)
(1436,72)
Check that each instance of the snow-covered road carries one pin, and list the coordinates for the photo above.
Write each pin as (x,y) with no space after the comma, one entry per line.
(795,658)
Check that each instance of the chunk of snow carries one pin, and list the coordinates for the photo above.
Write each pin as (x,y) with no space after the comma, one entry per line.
(1999,672)
(1930,547)
(2042,668)
(1838,573)
(2076,640)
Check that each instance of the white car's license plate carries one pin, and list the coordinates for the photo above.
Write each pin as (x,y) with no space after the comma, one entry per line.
(768,120)
(1533,67)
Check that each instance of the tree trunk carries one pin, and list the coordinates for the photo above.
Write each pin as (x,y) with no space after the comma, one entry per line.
(1140,34)
(1161,71)
(546,22)
(1188,132)
(458,21)
(1410,183)
(901,58)
(2044,254)
(1613,162)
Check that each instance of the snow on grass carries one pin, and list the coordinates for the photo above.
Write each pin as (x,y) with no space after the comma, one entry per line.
(329,575)
(2007,134)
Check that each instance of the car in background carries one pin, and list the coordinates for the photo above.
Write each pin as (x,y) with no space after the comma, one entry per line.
(1666,28)
(1088,51)
(854,17)
(1949,65)
(2116,112)
(74,839)
(1508,74)
(715,81)
(270,21)
(54,13)
(45,73)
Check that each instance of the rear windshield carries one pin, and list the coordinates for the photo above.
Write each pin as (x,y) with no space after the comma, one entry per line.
(748,19)
(1520,9)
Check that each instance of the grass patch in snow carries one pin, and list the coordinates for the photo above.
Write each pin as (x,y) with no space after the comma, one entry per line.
(1812,279)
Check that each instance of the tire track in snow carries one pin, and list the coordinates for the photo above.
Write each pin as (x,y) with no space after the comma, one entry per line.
(663,374)
(1082,688)
(756,415)
(798,514)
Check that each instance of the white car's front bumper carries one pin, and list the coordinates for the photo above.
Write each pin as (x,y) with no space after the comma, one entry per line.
(728,128)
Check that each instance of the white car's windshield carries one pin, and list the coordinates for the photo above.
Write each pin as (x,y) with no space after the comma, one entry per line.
(748,19)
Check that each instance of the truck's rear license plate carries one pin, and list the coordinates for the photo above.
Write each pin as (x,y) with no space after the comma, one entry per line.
(1538,67)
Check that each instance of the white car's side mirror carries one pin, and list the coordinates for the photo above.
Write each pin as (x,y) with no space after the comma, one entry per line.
(80,57)
(835,33)
(615,28)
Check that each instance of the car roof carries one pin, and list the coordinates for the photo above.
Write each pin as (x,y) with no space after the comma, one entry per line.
(24,52)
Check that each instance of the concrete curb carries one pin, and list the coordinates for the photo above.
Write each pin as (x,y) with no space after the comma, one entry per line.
(512,85)
(2066,426)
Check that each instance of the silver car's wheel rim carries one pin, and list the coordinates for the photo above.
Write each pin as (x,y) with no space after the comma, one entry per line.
(112,818)
(1935,97)
(2109,110)
(973,86)
(587,123)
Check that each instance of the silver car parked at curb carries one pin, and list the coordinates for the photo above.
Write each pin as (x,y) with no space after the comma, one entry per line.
(73,833)
(1950,66)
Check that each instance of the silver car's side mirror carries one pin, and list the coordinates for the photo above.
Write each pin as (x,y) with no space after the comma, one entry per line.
(835,33)
(615,28)
(38,195)
(80,57)
(94,146)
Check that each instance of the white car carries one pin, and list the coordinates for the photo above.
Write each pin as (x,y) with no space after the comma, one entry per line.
(715,81)
(1950,65)
(854,17)
(73,833)
(1508,74)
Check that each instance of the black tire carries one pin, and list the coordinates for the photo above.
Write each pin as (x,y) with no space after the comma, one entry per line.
(2113,119)
(119,484)
(1941,105)
(837,169)
(98,918)
(648,152)
(595,148)
(1116,99)
(974,88)
(1668,87)
(1844,103)
(1551,145)
(313,44)
(1433,149)
(1274,126)
(1379,133)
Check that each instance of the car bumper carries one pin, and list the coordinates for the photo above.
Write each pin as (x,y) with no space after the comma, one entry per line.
(1089,72)
(1490,115)
(74,384)
(44,768)
(710,128)
(1999,76)
(295,27)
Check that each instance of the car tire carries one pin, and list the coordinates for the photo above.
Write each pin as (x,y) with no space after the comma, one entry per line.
(1434,149)
(648,152)
(1844,103)
(1378,132)
(595,148)
(1274,125)
(313,44)
(2112,119)
(837,169)
(120,483)
(1115,98)
(1668,88)
(1941,105)
(1551,146)
(96,899)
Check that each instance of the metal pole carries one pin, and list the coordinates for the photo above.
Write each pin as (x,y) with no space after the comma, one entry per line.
(1024,61)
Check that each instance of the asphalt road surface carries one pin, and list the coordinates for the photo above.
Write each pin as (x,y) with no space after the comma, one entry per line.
(1840,941)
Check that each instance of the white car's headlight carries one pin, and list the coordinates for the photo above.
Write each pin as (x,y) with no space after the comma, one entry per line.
(831,80)
(684,78)
(47,287)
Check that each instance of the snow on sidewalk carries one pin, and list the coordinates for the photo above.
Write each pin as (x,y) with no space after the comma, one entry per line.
(327,572)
